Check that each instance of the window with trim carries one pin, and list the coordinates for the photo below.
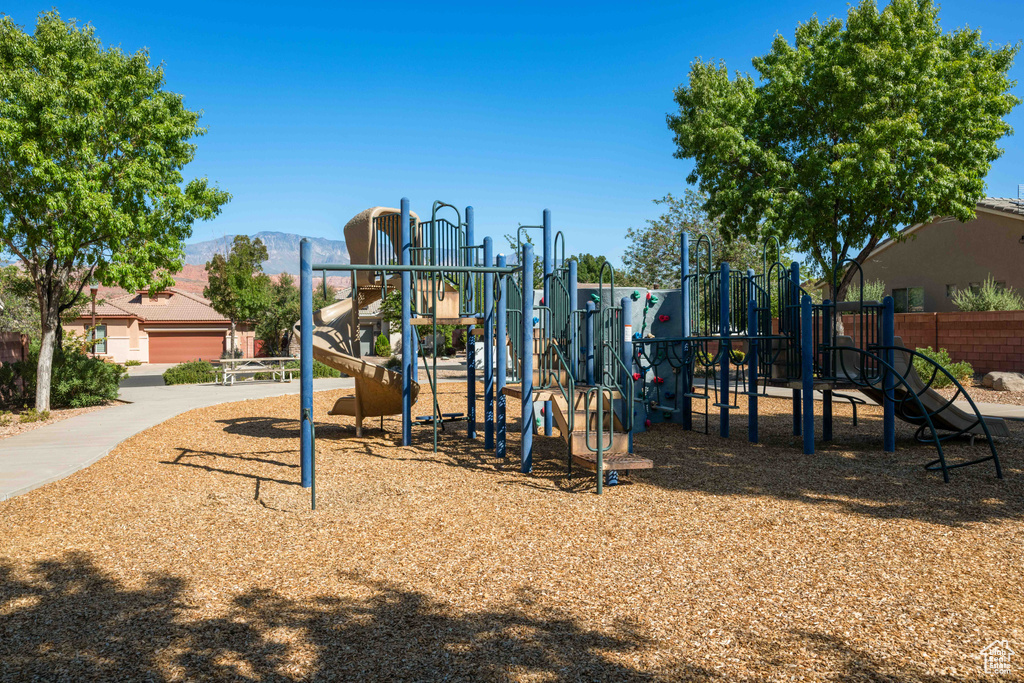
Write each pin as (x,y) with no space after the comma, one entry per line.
(975,287)
(99,335)
(908,300)
(950,291)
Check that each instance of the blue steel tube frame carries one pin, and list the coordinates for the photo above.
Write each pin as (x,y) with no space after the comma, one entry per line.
(589,342)
(488,346)
(807,372)
(526,421)
(408,343)
(501,348)
(723,331)
(684,313)
(828,311)
(466,256)
(626,341)
(794,274)
(574,341)
(752,351)
(548,270)
(888,380)
(306,361)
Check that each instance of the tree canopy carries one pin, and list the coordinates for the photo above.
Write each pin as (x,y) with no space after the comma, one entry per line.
(588,267)
(92,149)
(850,133)
(237,287)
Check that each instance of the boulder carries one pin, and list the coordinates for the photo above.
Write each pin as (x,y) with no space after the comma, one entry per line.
(1004,381)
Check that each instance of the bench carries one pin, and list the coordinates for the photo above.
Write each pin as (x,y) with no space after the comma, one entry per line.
(232,368)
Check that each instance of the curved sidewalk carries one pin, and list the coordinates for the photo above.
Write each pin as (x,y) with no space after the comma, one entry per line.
(32,459)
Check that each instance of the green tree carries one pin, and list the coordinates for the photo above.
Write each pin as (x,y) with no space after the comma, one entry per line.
(538,260)
(651,258)
(274,324)
(92,149)
(588,267)
(18,310)
(850,133)
(238,288)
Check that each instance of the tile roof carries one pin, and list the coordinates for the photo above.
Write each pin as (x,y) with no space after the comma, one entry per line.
(181,306)
(1015,206)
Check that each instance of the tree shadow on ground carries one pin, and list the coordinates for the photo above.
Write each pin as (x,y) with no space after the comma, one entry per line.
(66,619)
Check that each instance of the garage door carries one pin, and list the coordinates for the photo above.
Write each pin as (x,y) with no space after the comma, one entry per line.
(178,347)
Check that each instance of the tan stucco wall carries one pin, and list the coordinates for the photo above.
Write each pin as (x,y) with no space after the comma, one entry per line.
(948,252)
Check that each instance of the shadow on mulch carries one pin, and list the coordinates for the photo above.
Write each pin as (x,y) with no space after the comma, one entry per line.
(69,620)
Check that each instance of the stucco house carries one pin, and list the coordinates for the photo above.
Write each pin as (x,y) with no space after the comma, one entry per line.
(170,326)
(943,255)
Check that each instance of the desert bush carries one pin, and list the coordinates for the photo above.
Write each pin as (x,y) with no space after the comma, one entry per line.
(962,371)
(6,418)
(78,380)
(874,290)
(991,297)
(382,347)
(393,363)
(191,372)
(32,415)
(319,370)
(132,363)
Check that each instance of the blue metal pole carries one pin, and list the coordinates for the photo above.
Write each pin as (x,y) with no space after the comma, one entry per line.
(807,372)
(574,338)
(723,331)
(589,342)
(488,345)
(793,321)
(526,422)
(826,340)
(684,305)
(626,342)
(888,381)
(548,270)
(409,347)
(501,348)
(751,358)
(306,361)
(464,257)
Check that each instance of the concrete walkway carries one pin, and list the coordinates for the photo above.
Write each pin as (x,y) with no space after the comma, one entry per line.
(37,457)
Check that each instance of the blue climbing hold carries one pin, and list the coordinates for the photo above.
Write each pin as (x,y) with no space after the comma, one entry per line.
(536,320)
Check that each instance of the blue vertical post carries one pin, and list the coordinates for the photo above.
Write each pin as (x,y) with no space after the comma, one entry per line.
(626,344)
(807,372)
(793,321)
(548,270)
(888,380)
(724,348)
(306,361)
(589,341)
(488,345)
(501,348)
(574,337)
(752,351)
(826,395)
(684,313)
(526,422)
(409,346)
(468,257)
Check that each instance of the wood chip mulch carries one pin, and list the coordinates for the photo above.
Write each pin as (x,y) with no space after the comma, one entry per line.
(190,553)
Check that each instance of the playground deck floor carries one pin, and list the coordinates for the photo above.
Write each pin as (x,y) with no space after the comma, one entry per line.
(190,553)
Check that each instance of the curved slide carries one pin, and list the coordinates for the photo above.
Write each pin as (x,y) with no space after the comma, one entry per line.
(945,415)
(378,390)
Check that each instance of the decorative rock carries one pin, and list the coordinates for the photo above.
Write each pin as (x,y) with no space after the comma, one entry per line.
(1004,381)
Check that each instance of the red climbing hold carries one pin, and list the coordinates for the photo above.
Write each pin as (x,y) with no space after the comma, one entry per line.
(636,375)
(648,295)
(647,423)
(658,380)
(542,301)
(664,318)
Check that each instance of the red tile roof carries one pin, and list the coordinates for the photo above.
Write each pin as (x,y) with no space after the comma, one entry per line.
(181,306)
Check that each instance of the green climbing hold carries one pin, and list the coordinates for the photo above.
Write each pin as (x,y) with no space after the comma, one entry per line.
(596,298)
(635,295)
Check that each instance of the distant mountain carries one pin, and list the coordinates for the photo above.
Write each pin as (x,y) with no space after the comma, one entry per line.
(282,250)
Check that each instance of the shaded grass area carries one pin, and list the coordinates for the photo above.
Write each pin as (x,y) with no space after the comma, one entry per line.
(190,553)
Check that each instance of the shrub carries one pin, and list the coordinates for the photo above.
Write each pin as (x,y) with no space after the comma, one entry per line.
(31,415)
(132,363)
(320,370)
(393,363)
(78,381)
(236,353)
(6,418)
(192,372)
(382,347)
(991,297)
(961,371)
(737,356)
(874,290)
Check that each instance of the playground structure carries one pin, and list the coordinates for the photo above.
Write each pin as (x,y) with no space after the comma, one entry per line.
(598,382)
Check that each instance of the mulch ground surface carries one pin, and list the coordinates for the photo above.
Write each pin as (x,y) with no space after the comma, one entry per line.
(190,553)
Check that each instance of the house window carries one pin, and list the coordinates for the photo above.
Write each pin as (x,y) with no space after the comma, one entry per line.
(99,335)
(908,300)
(950,291)
(975,287)
(1001,285)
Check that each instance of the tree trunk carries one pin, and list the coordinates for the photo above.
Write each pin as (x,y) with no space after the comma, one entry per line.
(44,371)
(234,344)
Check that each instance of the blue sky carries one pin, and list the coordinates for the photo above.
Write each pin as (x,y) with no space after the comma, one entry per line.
(316,112)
